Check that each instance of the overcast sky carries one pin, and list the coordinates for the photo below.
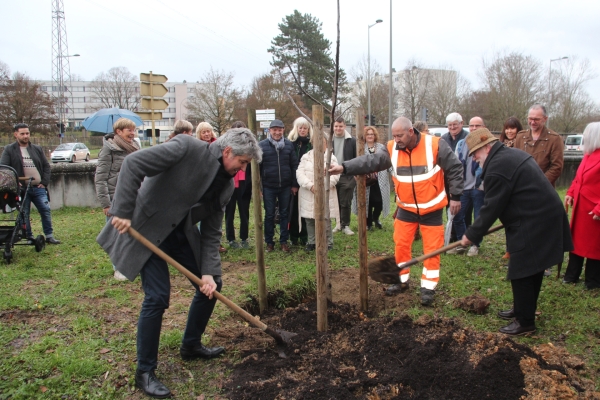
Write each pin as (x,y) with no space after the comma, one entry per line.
(182,39)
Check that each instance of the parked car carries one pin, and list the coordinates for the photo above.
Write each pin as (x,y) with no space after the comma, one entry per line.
(574,143)
(70,152)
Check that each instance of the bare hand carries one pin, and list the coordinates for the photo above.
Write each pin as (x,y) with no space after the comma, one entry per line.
(595,217)
(568,201)
(209,286)
(454,207)
(465,241)
(40,186)
(294,190)
(105,210)
(336,170)
(312,189)
(121,224)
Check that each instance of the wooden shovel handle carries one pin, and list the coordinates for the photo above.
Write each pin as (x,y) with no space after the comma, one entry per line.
(248,317)
(444,249)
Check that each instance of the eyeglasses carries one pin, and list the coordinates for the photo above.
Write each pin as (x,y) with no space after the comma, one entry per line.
(534,119)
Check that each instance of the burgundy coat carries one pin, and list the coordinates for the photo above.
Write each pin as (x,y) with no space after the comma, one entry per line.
(585,191)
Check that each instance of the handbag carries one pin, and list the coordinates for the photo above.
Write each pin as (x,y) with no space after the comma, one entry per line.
(371,178)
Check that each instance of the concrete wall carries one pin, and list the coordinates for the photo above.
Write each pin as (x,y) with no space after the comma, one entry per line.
(572,161)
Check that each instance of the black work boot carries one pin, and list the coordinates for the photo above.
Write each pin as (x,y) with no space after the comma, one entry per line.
(151,386)
(189,353)
(427,296)
(397,288)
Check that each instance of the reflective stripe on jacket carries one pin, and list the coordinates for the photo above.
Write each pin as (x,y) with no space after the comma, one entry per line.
(418,179)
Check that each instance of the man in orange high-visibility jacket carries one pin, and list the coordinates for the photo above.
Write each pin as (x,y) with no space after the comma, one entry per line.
(419,164)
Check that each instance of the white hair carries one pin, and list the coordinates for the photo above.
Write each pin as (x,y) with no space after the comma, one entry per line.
(591,138)
(301,121)
(454,117)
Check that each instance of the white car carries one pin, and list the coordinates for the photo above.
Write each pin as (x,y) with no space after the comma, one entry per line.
(70,152)
(574,143)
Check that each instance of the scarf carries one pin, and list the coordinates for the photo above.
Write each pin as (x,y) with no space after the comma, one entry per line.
(278,144)
(128,147)
(509,143)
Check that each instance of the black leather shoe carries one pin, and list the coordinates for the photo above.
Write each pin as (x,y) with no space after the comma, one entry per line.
(378,225)
(507,314)
(309,247)
(189,353)
(149,383)
(397,288)
(52,240)
(515,329)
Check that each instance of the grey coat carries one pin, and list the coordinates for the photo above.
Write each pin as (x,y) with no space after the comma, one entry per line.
(110,159)
(378,161)
(175,176)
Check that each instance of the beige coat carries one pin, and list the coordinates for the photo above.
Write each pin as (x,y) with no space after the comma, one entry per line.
(306,199)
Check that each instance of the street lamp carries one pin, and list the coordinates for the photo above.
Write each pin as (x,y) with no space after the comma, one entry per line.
(369,69)
(61,93)
(549,85)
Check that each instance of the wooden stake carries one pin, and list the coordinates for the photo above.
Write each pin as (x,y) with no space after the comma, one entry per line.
(320,234)
(258,223)
(361,199)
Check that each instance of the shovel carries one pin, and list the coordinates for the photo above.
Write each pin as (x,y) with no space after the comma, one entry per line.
(281,337)
(386,270)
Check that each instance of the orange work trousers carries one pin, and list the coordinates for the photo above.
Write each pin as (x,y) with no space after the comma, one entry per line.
(433,239)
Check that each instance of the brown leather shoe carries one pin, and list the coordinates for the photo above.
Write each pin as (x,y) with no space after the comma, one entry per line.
(285,247)
(506,256)
(270,248)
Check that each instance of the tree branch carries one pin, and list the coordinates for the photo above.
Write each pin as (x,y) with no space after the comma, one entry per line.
(302,90)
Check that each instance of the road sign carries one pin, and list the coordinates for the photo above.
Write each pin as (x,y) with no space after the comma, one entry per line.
(156,104)
(265,124)
(265,115)
(147,115)
(155,78)
(158,89)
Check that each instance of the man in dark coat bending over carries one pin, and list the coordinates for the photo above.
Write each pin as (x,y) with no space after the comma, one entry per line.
(185,181)
(536,225)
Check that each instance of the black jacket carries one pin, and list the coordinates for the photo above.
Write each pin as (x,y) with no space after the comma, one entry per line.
(536,225)
(349,148)
(278,168)
(453,142)
(12,156)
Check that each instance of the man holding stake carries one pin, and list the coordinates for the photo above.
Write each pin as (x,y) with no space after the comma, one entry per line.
(185,181)
(537,232)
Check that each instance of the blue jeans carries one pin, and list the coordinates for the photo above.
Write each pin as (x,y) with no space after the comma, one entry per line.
(470,198)
(39,197)
(270,195)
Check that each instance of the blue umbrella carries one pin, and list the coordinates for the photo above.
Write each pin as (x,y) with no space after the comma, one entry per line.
(103,120)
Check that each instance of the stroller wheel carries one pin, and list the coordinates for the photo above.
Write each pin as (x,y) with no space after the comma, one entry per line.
(7,256)
(40,243)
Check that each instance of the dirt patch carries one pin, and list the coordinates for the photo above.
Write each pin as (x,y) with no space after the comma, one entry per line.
(475,303)
(387,358)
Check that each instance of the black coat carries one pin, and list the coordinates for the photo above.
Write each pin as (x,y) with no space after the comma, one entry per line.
(278,168)
(12,156)
(536,225)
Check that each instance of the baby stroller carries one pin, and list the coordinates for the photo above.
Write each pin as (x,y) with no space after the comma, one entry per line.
(11,202)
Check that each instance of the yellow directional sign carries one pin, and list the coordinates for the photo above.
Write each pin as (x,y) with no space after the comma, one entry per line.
(158,89)
(147,115)
(154,104)
(155,78)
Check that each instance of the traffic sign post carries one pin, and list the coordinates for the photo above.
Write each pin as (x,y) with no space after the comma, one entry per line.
(151,86)
(265,115)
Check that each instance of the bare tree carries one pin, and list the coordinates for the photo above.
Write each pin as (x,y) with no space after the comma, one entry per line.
(514,82)
(415,81)
(116,88)
(447,88)
(216,100)
(4,73)
(570,106)
(22,100)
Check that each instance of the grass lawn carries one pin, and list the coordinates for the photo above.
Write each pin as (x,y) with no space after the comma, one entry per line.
(67,328)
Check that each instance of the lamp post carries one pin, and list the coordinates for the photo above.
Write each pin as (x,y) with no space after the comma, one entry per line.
(61,94)
(549,86)
(369,69)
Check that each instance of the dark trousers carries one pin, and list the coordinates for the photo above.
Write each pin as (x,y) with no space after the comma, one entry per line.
(525,296)
(592,271)
(243,204)
(297,234)
(157,290)
(345,191)
(282,197)
(375,204)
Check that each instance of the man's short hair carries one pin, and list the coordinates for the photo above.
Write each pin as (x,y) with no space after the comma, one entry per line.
(182,126)
(242,143)
(453,117)
(538,106)
(18,126)
(340,120)
(123,123)
(420,125)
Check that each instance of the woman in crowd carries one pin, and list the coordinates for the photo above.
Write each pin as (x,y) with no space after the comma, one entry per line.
(421,126)
(378,184)
(242,194)
(306,196)
(512,126)
(115,147)
(181,126)
(205,132)
(300,136)
(584,196)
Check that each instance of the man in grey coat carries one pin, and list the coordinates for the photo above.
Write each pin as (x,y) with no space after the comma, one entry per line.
(163,192)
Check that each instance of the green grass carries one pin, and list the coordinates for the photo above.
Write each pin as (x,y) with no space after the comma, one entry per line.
(68,329)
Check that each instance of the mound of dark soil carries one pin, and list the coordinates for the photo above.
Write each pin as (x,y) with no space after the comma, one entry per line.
(386,358)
